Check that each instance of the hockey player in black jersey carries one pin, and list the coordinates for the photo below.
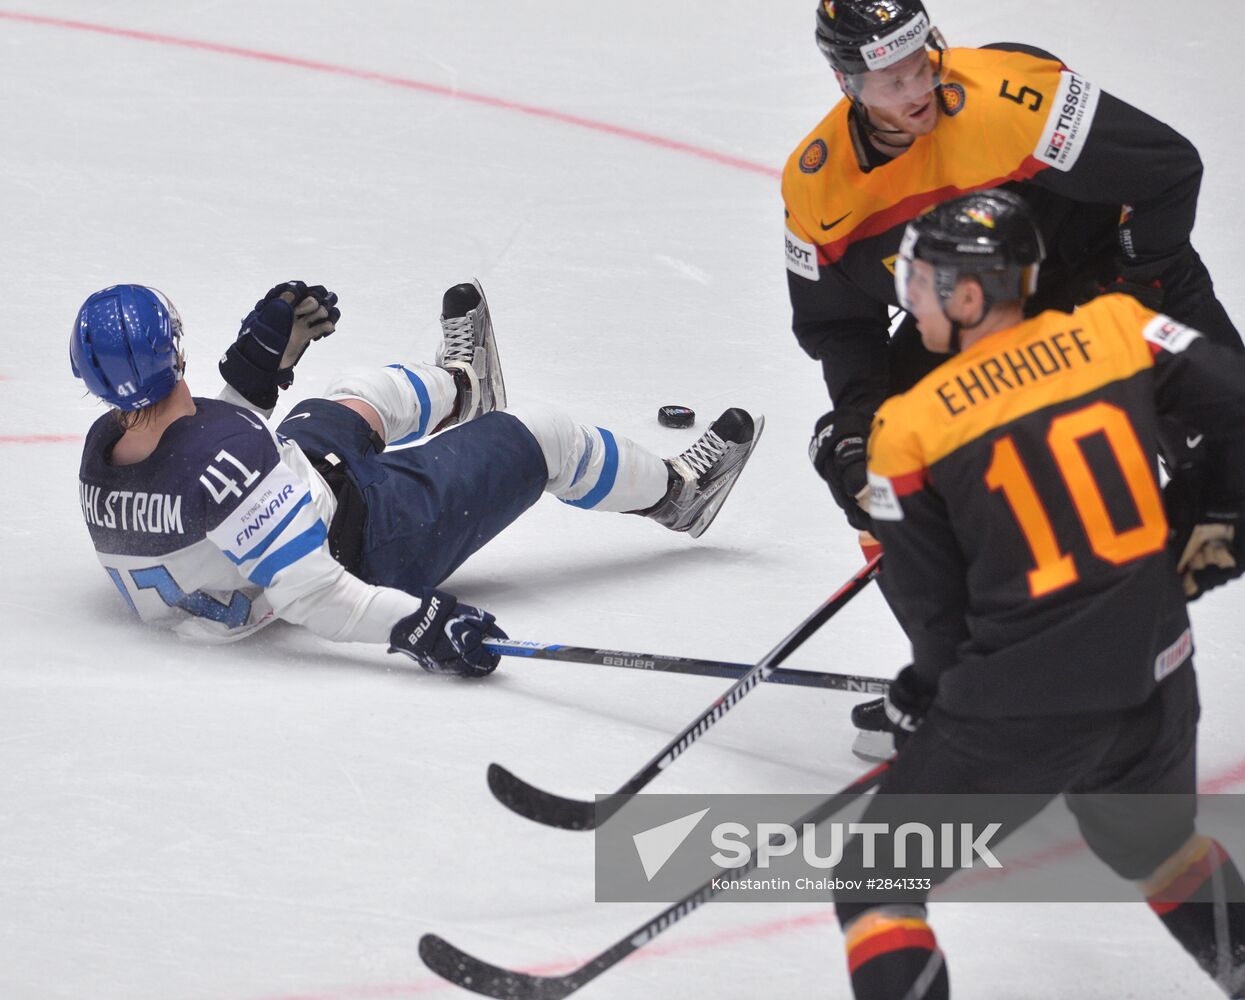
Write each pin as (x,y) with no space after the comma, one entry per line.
(210,523)
(1033,565)
(1114,191)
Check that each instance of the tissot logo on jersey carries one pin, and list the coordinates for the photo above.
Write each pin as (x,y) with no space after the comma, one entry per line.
(153,513)
(1067,128)
(883,500)
(801,257)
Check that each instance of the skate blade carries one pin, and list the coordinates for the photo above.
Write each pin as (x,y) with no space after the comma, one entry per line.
(874,746)
(699,526)
(491,359)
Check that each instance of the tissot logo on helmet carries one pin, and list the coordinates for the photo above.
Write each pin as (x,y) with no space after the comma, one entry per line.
(858,36)
(892,48)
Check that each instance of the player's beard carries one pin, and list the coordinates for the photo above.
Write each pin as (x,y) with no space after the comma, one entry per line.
(911,120)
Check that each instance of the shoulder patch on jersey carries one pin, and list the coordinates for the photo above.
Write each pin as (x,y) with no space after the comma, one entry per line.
(814,157)
(801,257)
(261,514)
(883,500)
(1069,123)
(1165,333)
(952,98)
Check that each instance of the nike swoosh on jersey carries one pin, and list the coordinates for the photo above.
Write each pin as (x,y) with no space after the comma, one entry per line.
(826,228)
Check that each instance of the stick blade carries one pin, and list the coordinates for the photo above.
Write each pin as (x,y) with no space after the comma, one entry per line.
(540,806)
(470,973)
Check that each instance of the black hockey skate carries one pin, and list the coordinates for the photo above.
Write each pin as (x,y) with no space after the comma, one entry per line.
(702,476)
(468,350)
(875,740)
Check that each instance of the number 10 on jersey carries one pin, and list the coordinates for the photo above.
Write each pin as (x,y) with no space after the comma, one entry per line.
(1056,568)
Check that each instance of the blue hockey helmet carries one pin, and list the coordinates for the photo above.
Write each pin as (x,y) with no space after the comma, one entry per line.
(126,346)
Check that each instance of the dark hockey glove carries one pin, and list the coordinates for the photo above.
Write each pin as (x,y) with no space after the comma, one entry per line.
(274,336)
(1148,291)
(837,452)
(1212,552)
(1207,541)
(445,637)
(907,700)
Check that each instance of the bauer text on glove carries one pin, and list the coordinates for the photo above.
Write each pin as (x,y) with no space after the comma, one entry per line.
(445,637)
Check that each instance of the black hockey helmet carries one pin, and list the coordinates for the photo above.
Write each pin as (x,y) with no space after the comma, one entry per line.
(990,235)
(858,36)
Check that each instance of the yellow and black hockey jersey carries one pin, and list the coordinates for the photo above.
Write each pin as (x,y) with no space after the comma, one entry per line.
(1106,183)
(1015,491)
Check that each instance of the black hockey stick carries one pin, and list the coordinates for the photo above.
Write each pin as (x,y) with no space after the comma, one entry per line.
(472,974)
(575,814)
(857,683)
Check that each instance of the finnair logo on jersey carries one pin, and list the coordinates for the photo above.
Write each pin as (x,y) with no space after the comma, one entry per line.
(266,513)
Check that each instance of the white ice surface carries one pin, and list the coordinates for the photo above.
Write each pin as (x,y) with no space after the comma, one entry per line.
(285,818)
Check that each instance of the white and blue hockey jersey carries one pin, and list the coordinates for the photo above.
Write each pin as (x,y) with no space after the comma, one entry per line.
(224,528)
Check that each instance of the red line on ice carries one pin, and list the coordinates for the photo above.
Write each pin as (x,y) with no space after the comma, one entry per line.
(438,90)
(1230,777)
(1235,775)
(39,438)
(487,100)
(752,932)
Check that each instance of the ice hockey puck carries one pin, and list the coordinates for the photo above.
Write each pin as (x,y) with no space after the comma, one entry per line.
(676,416)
